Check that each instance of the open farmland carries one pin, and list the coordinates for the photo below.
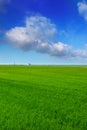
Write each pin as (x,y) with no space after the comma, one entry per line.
(43,98)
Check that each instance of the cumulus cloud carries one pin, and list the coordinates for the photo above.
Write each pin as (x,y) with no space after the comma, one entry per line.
(82,9)
(39,34)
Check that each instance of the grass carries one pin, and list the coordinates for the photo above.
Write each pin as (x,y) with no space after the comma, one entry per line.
(43,98)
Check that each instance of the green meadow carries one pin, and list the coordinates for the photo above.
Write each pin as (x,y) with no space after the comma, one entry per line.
(43,98)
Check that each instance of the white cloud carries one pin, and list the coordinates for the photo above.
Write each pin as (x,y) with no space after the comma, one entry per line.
(60,49)
(79,54)
(82,9)
(37,30)
(39,34)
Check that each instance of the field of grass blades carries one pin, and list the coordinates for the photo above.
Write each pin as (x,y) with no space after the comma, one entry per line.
(43,97)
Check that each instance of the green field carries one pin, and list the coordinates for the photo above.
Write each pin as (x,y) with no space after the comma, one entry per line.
(43,98)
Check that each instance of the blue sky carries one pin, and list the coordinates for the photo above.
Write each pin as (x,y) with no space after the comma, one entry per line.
(43,31)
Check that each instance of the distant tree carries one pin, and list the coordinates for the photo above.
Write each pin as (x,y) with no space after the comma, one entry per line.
(29,64)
